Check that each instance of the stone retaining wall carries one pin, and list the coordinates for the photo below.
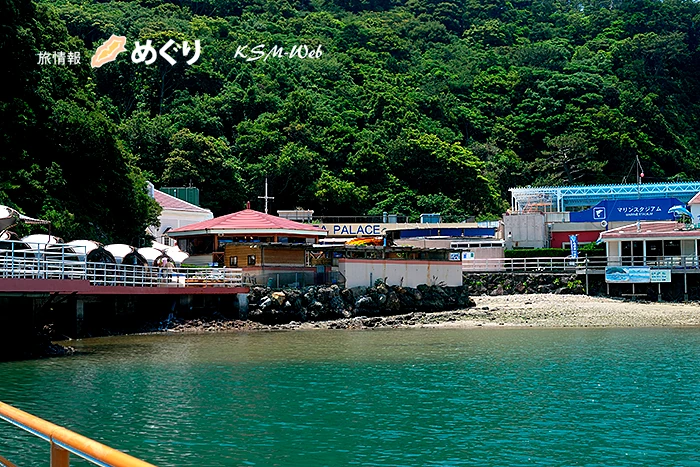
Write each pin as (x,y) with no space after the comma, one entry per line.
(509,284)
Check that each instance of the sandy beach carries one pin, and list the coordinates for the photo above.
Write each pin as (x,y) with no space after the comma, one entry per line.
(534,310)
(548,310)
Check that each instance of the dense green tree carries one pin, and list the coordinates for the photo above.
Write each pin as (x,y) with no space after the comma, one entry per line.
(62,158)
(413,105)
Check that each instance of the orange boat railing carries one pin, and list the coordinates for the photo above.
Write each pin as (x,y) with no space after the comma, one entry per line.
(65,442)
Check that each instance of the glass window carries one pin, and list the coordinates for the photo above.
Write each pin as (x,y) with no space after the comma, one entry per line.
(251,260)
(626,248)
(654,248)
(638,252)
(233,261)
(672,247)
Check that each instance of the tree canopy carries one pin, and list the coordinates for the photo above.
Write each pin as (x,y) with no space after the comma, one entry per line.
(412,106)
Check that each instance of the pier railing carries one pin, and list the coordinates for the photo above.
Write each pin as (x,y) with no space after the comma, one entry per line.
(579,265)
(280,280)
(65,442)
(65,263)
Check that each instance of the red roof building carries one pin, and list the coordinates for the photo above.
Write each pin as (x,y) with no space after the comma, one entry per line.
(210,237)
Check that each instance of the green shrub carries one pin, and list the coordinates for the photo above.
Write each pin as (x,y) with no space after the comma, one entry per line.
(591,249)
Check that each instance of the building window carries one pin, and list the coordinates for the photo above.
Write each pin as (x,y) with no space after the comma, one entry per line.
(654,249)
(233,261)
(251,260)
(672,247)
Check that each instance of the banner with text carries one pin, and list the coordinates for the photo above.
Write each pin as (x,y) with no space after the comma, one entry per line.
(628,210)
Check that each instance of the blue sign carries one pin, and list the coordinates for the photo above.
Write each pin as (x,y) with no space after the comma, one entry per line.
(448,232)
(574,245)
(655,209)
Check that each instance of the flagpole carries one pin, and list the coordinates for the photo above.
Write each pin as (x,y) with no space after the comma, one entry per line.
(640,174)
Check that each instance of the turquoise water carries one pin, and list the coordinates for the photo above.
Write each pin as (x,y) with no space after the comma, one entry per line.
(554,397)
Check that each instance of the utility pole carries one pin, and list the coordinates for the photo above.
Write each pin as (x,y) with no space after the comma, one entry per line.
(266,197)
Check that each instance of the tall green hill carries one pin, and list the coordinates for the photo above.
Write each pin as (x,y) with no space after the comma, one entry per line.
(413,106)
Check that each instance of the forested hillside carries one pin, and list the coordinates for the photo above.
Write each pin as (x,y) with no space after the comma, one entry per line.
(413,106)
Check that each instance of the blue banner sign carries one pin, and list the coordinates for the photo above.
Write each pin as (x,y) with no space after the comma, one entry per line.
(574,245)
(627,275)
(655,209)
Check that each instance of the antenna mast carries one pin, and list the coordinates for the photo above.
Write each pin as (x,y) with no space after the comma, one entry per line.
(266,197)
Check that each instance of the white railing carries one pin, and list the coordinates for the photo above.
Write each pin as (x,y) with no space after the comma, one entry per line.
(520,265)
(563,265)
(61,262)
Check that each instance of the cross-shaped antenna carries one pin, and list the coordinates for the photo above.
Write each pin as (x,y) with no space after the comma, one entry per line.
(266,197)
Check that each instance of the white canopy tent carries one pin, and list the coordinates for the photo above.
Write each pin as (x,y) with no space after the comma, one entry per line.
(174,252)
(10,217)
(151,254)
(119,250)
(41,240)
(83,247)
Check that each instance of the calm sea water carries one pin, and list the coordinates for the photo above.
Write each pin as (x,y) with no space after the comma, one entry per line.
(554,397)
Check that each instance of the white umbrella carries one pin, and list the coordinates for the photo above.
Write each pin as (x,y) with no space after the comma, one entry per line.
(119,250)
(88,245)
(83,247)
(41,241)
(159,246)
(41,238)
(8,217)
(177,256)
(52,247)
(151,254)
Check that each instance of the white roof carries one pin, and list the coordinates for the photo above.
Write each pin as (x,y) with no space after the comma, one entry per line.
(119,250)
(151,254)
(87,245)
(41,239)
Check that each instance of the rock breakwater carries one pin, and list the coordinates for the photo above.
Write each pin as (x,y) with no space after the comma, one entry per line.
(322,303)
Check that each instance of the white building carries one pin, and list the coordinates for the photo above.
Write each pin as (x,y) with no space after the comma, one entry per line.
(694,206)
(176,213)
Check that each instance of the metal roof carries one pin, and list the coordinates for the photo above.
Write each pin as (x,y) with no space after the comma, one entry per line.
(167,201)
(660,229)
(248,222)
(559,198)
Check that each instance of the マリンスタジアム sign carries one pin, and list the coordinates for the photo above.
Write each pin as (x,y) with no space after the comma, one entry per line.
(628,210)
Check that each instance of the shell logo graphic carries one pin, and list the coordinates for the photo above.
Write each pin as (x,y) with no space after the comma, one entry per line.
(108,51)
